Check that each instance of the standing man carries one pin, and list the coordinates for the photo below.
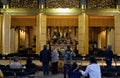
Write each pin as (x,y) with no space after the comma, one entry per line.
(68,60)
(108,54)
(45,57)
(54,60)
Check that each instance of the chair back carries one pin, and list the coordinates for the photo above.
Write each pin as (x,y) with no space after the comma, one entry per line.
(74,74)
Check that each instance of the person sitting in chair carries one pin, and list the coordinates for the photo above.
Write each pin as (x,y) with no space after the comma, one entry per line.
(92,70)
(15,64)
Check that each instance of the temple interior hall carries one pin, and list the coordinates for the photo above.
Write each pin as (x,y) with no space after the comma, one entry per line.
(87,26)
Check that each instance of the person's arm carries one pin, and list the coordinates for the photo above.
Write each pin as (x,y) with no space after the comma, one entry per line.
(73,54)
(40,57)
(113,57)
(57,54)
(85,73)
(77,68)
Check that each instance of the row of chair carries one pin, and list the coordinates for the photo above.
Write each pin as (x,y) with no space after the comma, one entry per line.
(15,73)
(113,72)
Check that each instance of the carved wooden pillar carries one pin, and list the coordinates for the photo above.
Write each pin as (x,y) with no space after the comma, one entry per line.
(1,16)
(12,40)
(83,34)
(41,33)
(6,24)
(110,37)
(16,38)
(117,34)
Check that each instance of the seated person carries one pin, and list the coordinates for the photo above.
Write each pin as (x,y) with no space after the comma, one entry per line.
(15,64)
(29,64)
(93,69)
(75,71)
(75,67)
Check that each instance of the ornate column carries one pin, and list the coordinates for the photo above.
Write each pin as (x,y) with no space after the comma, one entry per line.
(107,36)
(41,33)
(113,39)
(1,16)
(102,39)
(110,37)
(99,40)
(16,38)
(26,37)
(12,40)
(6,33)
(83,34)
(117,34)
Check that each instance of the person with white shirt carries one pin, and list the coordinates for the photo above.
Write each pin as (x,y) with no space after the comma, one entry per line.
(92,70)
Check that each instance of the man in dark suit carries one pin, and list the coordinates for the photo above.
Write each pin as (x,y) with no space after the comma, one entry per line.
(45,58)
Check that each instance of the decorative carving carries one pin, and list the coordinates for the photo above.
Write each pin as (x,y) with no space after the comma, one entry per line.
(62,3)
(24,4)
(101,4)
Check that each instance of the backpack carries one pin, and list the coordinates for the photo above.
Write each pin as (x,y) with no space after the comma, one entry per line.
(68,55)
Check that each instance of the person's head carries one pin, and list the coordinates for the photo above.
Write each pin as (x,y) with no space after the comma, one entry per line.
(109,46)
(45,47)
(15,58)
(53,47)
(93,60)
(74,65)
(68,47)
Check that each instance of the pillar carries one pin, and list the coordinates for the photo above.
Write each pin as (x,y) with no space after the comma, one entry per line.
(12,40)
(1,16)
(103,39)
(6,23)
(26,37)
(117,34)
(110,37)
(99,40)
(113,39)
(83,34)
(41,32)
(16,38)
